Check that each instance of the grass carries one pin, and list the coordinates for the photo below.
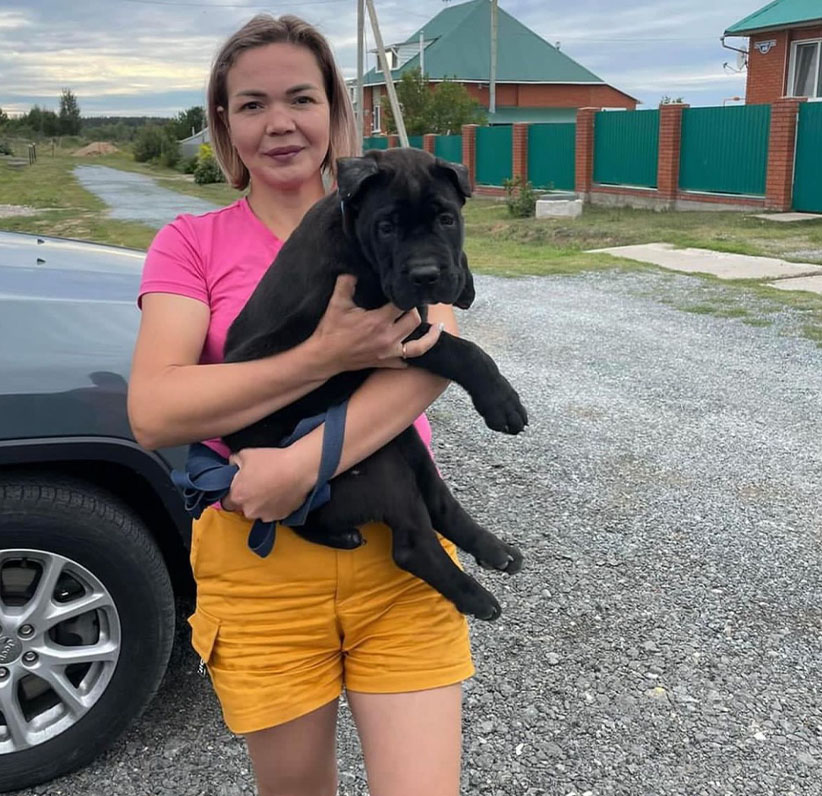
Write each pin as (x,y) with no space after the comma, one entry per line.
(495,242)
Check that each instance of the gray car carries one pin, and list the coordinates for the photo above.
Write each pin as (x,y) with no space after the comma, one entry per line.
(93,535)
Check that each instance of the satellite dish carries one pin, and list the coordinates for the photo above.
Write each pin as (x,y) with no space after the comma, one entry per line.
(741,59)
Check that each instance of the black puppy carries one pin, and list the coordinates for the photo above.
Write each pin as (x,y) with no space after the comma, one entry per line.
(395,224)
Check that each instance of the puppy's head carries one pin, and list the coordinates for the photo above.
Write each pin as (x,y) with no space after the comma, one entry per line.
(403,206)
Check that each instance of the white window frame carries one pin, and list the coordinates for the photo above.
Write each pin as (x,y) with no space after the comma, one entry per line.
(817,95)
(376,120)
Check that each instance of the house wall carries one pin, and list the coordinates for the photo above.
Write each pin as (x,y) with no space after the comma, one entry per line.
(768,73)
(525,95)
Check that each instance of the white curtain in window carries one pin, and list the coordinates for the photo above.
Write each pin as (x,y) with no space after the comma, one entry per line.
(805,72)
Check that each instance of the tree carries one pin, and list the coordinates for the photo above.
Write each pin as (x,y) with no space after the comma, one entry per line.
(452,107)
(69,114)
(192,119)
(443,109)
(3,117)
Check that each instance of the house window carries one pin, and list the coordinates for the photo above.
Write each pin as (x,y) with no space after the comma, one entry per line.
(805,78)
(393,58)
(375,127)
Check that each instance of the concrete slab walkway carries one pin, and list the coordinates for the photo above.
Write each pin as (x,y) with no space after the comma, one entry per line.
(791,276)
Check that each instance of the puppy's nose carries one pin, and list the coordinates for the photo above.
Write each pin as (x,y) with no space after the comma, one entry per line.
(424,275)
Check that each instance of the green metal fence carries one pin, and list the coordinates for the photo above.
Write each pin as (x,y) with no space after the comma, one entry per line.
(551,155)
(626,146)
(415,141)
(725,150)
(448,147)
(494,154)
(375,142)
(807,186)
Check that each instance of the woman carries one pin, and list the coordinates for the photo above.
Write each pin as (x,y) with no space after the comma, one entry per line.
(282,635)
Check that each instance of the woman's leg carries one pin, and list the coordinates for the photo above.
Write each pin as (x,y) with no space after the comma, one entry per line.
(298,758)
(412,741)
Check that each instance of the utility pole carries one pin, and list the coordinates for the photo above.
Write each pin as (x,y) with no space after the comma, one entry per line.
(389,80)
(492,84)
(360,65)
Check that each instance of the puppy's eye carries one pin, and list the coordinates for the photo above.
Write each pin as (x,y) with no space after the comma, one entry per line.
(447,220)
(385,227)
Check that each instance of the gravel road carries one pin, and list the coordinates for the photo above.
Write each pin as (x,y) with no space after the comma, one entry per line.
(666,635)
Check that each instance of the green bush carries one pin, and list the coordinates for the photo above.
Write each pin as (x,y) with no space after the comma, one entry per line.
(148,143)
(187,165)
(521,197)
(169,153)
(5,148)
(207,171)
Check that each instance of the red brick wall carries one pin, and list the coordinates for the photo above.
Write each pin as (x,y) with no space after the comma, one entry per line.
(523,95)
(768,74)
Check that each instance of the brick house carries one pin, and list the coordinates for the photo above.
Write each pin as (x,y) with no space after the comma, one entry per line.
(535,81)
(785,50)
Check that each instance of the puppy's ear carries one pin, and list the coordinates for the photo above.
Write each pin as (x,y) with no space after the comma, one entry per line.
(466,298)
(458,174)
(352,173)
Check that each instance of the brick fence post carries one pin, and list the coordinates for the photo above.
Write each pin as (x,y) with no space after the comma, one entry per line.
(393,140)
(469,151)
(782,153)
(428,142)
(670,145)
(519,151)
(584,166)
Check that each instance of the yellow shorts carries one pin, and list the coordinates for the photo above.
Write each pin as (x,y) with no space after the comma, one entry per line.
(282,635)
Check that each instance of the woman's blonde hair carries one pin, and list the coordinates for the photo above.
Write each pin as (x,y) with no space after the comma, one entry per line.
(264,29)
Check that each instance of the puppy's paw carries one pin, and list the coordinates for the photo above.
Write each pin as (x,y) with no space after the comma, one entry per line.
(342,539)
(505,558)
(502,410)
(481,604)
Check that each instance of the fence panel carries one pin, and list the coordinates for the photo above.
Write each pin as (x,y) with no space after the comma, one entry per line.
(807,186)
(494,153)
(375,142)
(551,155)
(415,141)
(725,150)
(626,147)
(448,147)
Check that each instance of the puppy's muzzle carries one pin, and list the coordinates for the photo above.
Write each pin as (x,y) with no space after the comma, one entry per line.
(424,274)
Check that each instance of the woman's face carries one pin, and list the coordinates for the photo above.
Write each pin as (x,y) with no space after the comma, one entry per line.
(278,114)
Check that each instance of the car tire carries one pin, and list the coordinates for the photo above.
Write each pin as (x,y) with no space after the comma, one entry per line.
(102,551)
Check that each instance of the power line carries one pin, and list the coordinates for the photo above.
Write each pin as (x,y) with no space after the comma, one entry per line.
(232,5)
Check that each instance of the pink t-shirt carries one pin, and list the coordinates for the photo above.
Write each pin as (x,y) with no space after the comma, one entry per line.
(217,258)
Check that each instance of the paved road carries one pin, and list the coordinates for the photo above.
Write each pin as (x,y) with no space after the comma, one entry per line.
(135,197)
(666,636)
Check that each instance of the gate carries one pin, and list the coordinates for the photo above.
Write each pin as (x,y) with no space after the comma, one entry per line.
(807,180)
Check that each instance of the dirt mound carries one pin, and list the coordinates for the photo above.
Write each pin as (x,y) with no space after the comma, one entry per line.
(96,148)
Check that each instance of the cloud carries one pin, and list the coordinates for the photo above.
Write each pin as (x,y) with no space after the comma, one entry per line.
(122,54)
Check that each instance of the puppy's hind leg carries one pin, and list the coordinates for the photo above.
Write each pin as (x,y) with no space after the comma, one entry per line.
(449,517)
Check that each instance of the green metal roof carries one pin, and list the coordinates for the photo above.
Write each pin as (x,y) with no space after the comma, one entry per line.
(778,14)
(459,46)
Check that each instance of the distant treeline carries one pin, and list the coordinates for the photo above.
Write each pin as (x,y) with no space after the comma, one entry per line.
(41,123)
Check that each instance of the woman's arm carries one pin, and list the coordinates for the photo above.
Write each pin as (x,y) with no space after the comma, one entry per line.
(174,400)
(273,482)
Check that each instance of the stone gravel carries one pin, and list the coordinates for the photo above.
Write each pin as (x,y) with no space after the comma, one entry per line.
(665,637)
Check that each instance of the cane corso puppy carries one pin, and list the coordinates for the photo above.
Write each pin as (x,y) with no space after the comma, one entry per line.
(395,223)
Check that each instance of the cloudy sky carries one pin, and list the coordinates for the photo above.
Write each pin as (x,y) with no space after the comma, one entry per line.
(135,57)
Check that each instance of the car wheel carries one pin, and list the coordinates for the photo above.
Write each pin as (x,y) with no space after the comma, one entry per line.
(86,625)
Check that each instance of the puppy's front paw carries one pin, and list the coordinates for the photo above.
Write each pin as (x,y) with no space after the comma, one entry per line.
(502,409)
(505,558)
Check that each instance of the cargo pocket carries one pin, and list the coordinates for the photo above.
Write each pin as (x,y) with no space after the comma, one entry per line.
(204,629)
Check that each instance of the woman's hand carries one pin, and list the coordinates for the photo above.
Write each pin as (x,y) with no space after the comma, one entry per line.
(352,338)
(271,482)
